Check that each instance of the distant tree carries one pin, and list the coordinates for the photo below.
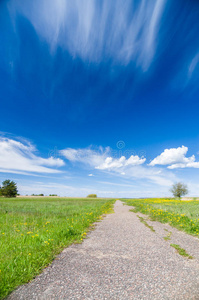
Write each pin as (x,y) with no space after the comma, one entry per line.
(179,189)
(92,196)
(9,188)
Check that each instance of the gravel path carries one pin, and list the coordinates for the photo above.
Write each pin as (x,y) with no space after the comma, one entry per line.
(121,259)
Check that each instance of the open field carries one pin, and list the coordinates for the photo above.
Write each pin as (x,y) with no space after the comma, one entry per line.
(183,215)
(34,231)
(123,258)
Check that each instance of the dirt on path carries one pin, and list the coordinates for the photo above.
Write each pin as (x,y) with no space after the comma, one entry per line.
(121,259)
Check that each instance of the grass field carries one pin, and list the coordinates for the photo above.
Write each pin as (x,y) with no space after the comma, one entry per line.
(34,231)
(183,215)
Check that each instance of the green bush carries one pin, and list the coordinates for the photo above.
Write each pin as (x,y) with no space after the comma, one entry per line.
(92,196)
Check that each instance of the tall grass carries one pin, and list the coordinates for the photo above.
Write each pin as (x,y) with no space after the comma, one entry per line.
(34,231)
(183,215)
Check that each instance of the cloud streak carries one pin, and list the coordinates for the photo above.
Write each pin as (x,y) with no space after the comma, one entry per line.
(86,156)
(97,30)
(193,65)
(20,158)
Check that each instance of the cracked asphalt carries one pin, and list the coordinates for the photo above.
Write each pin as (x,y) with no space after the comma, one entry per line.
(120,259)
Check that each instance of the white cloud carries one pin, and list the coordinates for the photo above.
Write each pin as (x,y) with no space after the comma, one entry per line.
(124,31)
(111,163)
(129,168)
(100,159)
(193,164)
(90,175)
(175,158)
(18,157)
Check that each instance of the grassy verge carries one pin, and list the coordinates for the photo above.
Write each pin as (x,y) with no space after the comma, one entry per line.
(168,237)
(183,215)
(181,251)
(146,224)
(34,231)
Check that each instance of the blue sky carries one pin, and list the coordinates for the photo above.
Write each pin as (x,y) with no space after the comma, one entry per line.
(99,96)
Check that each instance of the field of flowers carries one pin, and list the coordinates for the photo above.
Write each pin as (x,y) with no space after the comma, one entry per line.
(183,215)
(34,231)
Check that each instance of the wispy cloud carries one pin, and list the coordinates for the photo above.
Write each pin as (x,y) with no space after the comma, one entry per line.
(86,156)
(175,158)
(20,158)
(102,160)
(62,190)
(97,30)
(193,65)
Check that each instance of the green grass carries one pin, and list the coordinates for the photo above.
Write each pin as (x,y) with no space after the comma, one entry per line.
(145,223)
(181,251)
(183,215)
(34,230)
(168,237)
(189,208)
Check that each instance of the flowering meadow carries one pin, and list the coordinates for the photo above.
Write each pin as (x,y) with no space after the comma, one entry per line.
(183,215)
(34,230)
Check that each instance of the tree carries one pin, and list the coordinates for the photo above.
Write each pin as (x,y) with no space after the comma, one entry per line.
(179,189)
(92,196)
(9,188)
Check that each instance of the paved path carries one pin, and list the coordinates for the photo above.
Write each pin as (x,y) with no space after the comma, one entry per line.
(121,259)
